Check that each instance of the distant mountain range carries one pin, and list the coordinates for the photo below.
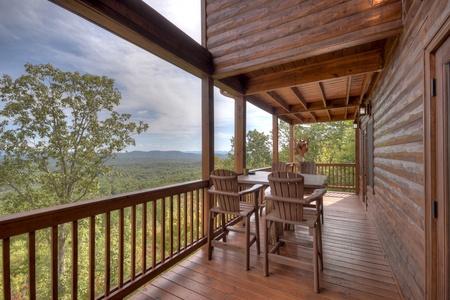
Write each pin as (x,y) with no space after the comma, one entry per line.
(163,155)
(155,154)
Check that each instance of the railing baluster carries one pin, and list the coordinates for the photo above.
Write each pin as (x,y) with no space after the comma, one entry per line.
(121,246)
(32,264)
(55,262)
(191,214)
(92,257)
(6,254)
(144,237)
(107,253)
(153,234)
(171,226)
(185,229)
(197,203)
(179,222)
(163,229)
(133,242)
(74,260)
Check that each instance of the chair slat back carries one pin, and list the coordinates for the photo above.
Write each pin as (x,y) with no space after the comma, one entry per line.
(279,166)
(226,181)
(287,185)
(308,167)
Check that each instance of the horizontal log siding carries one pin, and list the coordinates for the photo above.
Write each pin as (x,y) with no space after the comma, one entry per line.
(248,34)
(396,205)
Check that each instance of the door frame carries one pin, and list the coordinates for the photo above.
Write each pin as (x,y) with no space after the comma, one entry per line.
(435,166)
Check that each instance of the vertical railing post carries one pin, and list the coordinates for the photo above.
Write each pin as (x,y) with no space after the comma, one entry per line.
(6,256)
(75,260)
(92,257)
(32,264)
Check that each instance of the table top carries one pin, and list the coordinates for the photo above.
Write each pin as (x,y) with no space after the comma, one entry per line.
(260,177)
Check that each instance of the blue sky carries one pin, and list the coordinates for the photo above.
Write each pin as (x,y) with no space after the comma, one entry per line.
(154,91)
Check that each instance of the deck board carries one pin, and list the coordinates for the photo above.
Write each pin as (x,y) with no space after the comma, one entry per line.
(354,266)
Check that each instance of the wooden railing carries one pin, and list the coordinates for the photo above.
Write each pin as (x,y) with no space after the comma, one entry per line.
(124,241)
(341,176)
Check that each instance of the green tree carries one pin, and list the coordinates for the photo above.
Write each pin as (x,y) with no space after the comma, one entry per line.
(57,132)
(259,151)
(331,142)
(54,143)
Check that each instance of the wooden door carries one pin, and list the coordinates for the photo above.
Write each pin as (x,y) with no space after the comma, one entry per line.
(442,83)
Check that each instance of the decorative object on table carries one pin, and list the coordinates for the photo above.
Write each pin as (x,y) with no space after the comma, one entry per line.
(305,167)
(300,148)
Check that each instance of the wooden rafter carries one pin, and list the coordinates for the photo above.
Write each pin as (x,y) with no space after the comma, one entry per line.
(300,97)
(322,93)
(359,63)
(317,106)
(279,100)
(349,85)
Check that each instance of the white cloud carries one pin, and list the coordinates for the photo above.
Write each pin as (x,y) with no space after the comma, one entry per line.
(154,91)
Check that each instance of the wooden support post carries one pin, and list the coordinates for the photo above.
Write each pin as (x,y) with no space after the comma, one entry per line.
(240,125)
(291,143)
(275,155)
(207,126)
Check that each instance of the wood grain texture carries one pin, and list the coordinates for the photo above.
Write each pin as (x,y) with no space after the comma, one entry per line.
(397,206)
(355,266)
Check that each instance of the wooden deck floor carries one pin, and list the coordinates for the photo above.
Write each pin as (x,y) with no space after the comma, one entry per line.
(354,267)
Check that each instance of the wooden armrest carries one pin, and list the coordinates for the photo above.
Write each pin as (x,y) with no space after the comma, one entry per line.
(315,196)
(253,189)
(212,190)
(286,199)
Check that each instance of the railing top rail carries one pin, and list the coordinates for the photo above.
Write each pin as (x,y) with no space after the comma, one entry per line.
(336,164)
(25,222)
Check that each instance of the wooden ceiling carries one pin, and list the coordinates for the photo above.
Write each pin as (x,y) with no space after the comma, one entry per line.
(303,60)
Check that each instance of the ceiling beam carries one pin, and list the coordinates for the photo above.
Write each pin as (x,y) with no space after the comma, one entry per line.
(279,100)
(322,94)
(300,97)
(349,85)
(138,23)
(299,117)
(317,106)
(256,101)
(317,119)
(360,63)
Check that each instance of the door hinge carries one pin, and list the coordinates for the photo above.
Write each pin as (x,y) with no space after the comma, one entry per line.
(433,87)
(435,209)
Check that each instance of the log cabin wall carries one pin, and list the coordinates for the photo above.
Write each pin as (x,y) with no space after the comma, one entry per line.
(397,202)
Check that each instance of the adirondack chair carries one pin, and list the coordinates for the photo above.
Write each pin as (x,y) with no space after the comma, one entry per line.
(287,207)
(309,167)
(228,198)
(279,166)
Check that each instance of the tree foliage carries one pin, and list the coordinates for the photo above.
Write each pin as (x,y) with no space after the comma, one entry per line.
(332,142)
(58,130)
(258,152)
